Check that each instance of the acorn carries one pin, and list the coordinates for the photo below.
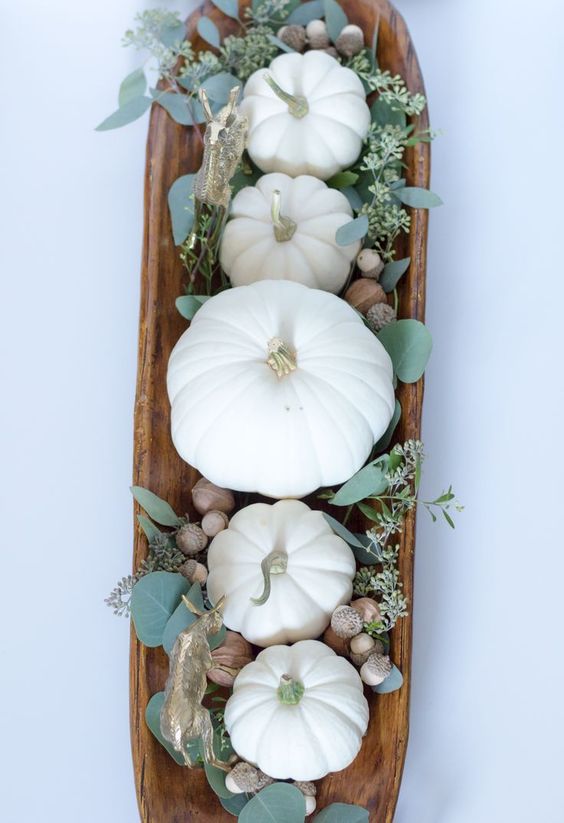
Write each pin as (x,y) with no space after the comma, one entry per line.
(234,653)
(293,36)
(244,778)
(376,669)
(362,294)
(190,539)
(362,643)
(208,497)
(350,41)
(368,609)
(193,571)
(380,315)
(338,644)
(317,35)
(370,263)
(346,622)
(214,522)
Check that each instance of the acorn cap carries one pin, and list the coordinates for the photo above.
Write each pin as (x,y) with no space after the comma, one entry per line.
(245,778)
(317,35)
(380,315)
(293,36)
(350,41)
(193,571)
(306,787)
(214,522)
(346,622)
(370,263)
(190,539)
(376,669)
(362,643)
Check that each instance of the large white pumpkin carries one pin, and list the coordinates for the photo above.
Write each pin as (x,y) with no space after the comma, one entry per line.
(286,557)
(278,389)
(297,712)
(284,229)
(309,116)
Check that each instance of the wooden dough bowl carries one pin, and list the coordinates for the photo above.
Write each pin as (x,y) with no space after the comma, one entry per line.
(168,793)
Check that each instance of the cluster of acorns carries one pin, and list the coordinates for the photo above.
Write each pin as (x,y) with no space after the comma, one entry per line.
(315,36)
(366,294)
(347,636)
(246,778)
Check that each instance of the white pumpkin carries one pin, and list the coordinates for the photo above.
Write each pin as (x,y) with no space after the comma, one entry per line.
(282,571)
(307,115)
(278,389)
(297,712)
(284,229)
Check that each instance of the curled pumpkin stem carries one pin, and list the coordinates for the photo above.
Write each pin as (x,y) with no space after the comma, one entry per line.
(297,105)
(274,563)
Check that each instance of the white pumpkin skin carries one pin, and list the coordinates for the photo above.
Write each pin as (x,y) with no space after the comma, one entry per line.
(320,734)
(247,429)
(324,141)
(318,577)
(250,250)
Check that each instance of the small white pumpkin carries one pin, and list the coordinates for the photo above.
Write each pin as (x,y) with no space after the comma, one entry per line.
(297,712)
(284,229)
(307,115)
(278,389)
(282,571)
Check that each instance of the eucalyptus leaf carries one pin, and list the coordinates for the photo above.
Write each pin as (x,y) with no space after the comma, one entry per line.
(368,511)
(353,231)
(209,31)
(384,115)
(216,779)
(280,44)
(306,12)
(335,18)
(235,805)
(278,803)
(153,721)
(154,598)
(159,510)
(228,7)
(342,179)
(188,304)
(342,813)
(418,198)
(134,85)
(409,344)
(218,88)
(176,105)
(343,532)
(149,528)
(386,438)
(368,481)
(172,35)
(354,198)
(364,555)
(130,111)
(182,617)
(392,683)
(181,207)
(392,273)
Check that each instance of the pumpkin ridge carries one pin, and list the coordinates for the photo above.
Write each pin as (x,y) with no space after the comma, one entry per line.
(331,123)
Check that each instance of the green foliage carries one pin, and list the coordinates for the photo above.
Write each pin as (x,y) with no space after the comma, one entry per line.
(370,480)
(158,509)
(132,110)
(188,304)
(343,179)
(409,344)
(228,7)
(134,85)
(343,532)
(244,55)
(386,438)
(208,31)
(306,12)
(392,683)
(235,805)
(179,106)
(418,198)
(181,207)
(352,232)
(342,813)
(278,803)
(153,600)
(335,18)
(392,272)
(153,721)
(182,618)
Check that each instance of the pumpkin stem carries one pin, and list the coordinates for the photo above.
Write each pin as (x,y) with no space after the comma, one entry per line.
(281,358)
(274,563)
(297,105)
(290,691)
(284,227)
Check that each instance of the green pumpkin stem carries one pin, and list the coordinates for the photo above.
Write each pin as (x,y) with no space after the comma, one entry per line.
(290,691)
(297,105)
(281,359)
(284,227)
(274,563)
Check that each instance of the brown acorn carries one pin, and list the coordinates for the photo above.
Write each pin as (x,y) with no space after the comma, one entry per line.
(214,522)
(206,497)
(193,571)
(338,644)
(229,658)
(190,539)
(368,609)
(363,293)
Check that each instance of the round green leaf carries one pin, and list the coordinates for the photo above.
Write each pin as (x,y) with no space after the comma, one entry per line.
(392,683)
(208,31)
(392,273)
(409,344)
(342,813)
(351,232)
(218,87)
(278,803)
(180,108)
(343,532)
(216,779)
(153,720)
(160,511)
(153,600)
(188,304)
(228,7)
(181,207)
(368,481)
(418,198)
(234,805)
(335,18)
(306,12)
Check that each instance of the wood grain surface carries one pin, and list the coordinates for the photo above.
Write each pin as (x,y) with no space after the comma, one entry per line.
(168,793)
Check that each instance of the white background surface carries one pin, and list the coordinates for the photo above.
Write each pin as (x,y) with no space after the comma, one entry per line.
(487,731)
